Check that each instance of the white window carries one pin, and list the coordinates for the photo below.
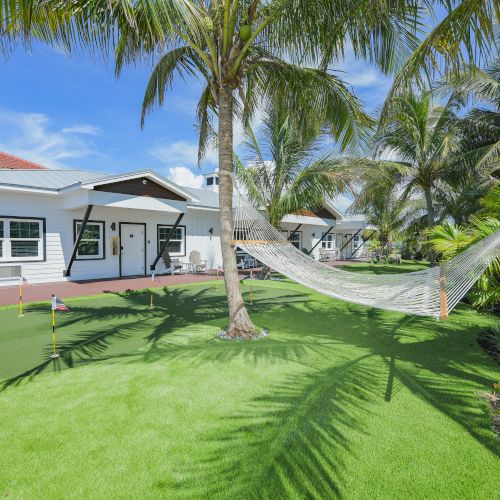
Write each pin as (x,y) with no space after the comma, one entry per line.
(177,245)
(296,240)
(328,242)
(91,245)
(21,239)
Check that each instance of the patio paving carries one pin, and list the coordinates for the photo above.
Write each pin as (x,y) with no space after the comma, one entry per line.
(65,289)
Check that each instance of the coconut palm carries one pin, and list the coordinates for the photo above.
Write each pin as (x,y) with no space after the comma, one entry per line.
(480,128)
(253,49)
(288,168)
(238,48)
(423,137)
(387,210)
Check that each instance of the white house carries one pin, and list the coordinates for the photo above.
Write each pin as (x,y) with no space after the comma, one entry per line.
(127,217)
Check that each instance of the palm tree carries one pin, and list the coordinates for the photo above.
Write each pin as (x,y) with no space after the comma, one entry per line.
(238,48)
(289,171)
(422,136)
(255,48)
(387,210)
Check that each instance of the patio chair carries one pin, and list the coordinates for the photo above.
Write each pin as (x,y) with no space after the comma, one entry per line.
(247,262)
(171,265)
(198,265)
(324,255)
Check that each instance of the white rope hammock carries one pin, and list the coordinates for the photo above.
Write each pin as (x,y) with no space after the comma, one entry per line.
(432,292)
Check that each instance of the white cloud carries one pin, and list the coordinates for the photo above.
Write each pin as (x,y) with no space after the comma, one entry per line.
(81,129)
(185,177)
(181,152)
(31,136)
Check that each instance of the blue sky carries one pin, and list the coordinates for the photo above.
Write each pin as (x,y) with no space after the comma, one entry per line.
(73,113)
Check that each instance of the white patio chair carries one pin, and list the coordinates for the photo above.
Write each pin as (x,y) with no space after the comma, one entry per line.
(199,265)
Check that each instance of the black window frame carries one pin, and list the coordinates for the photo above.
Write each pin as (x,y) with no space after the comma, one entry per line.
(43,237)
(158,244)
(75,234)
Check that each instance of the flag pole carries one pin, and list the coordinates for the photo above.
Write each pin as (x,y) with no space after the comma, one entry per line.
(21,297)
(54,353)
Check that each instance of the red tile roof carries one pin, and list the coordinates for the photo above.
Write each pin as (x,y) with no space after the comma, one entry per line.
(15,163)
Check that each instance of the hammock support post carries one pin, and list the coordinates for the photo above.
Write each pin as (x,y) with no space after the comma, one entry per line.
(443,307)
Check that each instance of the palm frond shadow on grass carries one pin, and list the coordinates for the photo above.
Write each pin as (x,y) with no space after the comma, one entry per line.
(429,368)
(173,311)
(291,440)
(84,347)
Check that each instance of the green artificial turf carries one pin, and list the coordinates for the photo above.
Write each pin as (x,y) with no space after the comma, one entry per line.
(406,266)
(339,401)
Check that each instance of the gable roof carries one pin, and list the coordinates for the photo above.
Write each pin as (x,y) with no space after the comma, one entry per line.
(11,162)
(55,181)
(51,180)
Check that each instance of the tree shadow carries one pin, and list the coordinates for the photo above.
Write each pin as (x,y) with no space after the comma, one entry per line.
(290,441)
(145,331)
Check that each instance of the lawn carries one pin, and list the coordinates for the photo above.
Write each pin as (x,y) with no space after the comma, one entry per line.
(406,266)
(339,401)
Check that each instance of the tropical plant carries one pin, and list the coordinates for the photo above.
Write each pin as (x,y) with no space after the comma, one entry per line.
(288,169)
(251,48)
(449,240)
(481,126)
(388,211)
(422,136)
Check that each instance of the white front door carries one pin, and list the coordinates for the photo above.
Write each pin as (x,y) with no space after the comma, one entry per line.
(132,249)
(339,243)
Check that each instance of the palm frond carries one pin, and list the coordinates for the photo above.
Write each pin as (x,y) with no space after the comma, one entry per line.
(183,61)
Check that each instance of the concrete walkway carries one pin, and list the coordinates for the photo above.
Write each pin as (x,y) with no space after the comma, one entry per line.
(64,289)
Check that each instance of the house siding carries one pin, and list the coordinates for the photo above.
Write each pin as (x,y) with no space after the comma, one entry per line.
(60,236)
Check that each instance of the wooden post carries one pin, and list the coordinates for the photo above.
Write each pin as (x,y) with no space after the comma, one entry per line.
(443,310)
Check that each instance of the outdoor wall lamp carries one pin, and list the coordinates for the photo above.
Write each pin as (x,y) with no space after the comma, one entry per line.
(113,226)
(314,235)
(211,230)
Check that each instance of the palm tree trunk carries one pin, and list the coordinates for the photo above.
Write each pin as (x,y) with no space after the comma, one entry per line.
(240,324)
(430,221)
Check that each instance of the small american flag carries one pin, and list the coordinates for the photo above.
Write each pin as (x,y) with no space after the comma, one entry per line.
(58,304)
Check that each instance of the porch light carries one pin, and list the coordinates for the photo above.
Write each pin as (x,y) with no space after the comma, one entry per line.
(113,226)
(314,235)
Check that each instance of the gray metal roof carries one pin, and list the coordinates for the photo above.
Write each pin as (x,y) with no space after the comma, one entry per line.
(205,197)
(58,179)
(47,179)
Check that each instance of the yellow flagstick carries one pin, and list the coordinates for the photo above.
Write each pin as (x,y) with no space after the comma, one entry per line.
(21,297)
(151,300)
(54,353)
